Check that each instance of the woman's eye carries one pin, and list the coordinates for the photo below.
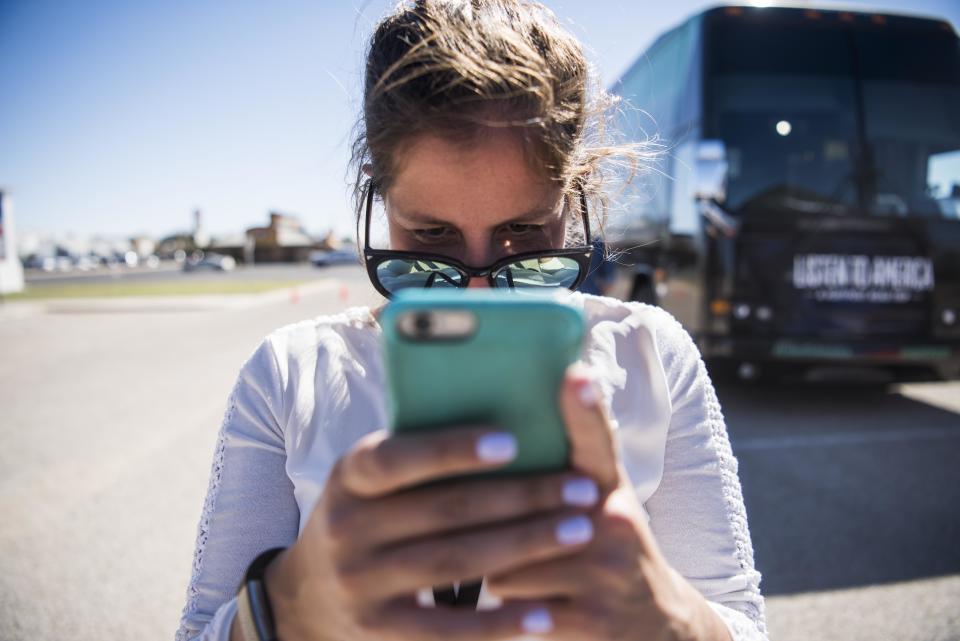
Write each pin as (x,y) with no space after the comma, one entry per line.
(431,234)
(521,229)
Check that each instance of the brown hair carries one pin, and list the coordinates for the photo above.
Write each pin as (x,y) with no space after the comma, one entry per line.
(454,67)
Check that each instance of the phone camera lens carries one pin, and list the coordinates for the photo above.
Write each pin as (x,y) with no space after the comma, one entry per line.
(422,323)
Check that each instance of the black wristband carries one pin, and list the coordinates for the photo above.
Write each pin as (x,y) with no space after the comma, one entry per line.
(465,597)
(256,603)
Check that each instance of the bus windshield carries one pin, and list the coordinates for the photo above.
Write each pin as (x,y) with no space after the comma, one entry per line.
(829,117)
(911,97)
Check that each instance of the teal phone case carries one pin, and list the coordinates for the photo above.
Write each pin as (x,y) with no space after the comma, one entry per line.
(507,373)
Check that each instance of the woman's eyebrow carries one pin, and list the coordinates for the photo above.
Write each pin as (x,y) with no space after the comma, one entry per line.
(422,218)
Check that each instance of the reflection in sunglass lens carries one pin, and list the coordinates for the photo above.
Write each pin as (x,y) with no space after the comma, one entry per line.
(403,273)
(546,271)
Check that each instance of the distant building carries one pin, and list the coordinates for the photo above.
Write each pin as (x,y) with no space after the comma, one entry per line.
(330,241)
(143,245)
(283,241)
(173,243)
(239,245)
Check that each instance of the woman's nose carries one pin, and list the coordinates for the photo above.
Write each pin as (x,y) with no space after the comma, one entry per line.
(477,254)
(478,282)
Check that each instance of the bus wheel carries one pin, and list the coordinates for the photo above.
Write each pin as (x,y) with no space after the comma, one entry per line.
(643,291)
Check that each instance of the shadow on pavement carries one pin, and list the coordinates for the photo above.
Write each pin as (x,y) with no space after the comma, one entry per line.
(845,486)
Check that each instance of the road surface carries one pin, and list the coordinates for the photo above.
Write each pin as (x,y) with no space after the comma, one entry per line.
(108,430)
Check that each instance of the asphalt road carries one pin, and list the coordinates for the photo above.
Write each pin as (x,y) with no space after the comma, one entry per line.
(108,429)
(852,498)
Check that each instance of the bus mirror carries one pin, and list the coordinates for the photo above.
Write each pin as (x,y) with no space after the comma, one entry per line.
(710,171)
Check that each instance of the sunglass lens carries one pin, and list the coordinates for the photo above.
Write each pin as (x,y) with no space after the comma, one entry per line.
(546,271)
(404,273)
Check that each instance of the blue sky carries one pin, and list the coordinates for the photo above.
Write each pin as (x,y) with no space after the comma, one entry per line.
(122,117)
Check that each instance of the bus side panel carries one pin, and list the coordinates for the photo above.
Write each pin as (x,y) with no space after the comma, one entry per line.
(682,289)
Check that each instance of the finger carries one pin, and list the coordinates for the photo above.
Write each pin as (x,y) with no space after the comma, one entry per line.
(589,618)
(459,505)
(593,448)
(565,577)
(402,619)
(440,560)
(586,618)
(622,550)
(380,464)
(555,619)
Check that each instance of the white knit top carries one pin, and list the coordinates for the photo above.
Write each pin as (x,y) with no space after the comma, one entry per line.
(313,388)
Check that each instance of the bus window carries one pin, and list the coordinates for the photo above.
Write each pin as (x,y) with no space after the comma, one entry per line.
(790,143)
(787,112)
(943,180)
(911,90)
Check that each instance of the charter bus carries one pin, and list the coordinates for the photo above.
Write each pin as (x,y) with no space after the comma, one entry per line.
(806,215)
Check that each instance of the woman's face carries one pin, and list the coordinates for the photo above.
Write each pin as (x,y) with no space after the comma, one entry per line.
(476,202)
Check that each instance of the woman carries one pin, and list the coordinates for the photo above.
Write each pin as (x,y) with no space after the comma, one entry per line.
(476,132)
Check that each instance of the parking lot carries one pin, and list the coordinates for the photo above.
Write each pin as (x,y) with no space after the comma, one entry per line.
(109,423)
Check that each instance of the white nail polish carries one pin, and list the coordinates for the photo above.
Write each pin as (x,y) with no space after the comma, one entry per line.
(575,530)
(498,447)
(537,621)
(580,492)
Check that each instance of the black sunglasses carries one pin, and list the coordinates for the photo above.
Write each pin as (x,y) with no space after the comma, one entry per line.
(390,271)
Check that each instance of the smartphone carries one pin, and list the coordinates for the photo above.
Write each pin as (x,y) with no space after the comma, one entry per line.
(482,357)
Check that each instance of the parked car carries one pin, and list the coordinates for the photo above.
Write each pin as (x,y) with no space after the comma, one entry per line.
(322,258)
(35,261)
(212,262)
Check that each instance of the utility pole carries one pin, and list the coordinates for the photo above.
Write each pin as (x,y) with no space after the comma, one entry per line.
(11,271)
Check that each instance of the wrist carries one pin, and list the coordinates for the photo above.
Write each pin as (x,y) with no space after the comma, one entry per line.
(235,633)
(704,624)
(284,587)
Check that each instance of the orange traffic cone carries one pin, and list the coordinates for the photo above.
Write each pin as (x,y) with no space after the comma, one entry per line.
(295,295)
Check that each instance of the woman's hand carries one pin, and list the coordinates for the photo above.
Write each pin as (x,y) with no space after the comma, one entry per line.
(619,586)
(376,536)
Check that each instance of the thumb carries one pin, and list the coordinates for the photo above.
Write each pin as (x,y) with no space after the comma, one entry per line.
(592,443)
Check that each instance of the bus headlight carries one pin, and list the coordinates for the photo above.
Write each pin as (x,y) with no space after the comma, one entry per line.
(764,313)
(741,311)
(949,317)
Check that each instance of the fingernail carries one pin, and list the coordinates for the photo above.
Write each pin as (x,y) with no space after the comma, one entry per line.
(537,621)
(587,393)
(497,447)
(575,530)
(580,492)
